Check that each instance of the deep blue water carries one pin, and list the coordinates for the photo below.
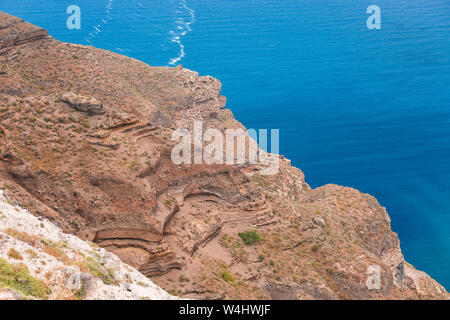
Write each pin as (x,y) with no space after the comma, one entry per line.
(363,108)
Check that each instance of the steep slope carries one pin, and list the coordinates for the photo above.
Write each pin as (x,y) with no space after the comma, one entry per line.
(38,260)
(86,142)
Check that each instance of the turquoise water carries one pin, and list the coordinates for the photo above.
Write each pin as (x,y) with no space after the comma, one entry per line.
(363,108)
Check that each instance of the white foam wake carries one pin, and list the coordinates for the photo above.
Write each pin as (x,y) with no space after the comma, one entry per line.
(104,20)
(182,28)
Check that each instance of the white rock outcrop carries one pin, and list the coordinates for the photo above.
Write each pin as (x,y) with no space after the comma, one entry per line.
(69,267)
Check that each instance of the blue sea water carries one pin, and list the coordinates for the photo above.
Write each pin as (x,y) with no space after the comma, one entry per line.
(363,108)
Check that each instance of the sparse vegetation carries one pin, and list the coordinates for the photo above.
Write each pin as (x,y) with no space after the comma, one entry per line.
(18,278)
(227,278)
(22,236)
(32,253)
(14,254)
(80,294)
(97,270)
(183,279)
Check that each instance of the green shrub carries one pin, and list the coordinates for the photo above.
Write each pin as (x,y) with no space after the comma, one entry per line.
(250,237)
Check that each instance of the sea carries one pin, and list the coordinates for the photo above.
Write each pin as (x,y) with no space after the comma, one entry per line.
(359,107)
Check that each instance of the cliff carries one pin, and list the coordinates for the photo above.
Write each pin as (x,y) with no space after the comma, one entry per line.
(86,143)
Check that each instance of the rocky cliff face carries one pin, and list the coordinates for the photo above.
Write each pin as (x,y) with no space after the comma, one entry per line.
(39,261)
(86,142)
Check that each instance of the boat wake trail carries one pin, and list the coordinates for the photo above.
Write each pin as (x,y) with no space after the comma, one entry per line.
(98,28)
(183,26)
